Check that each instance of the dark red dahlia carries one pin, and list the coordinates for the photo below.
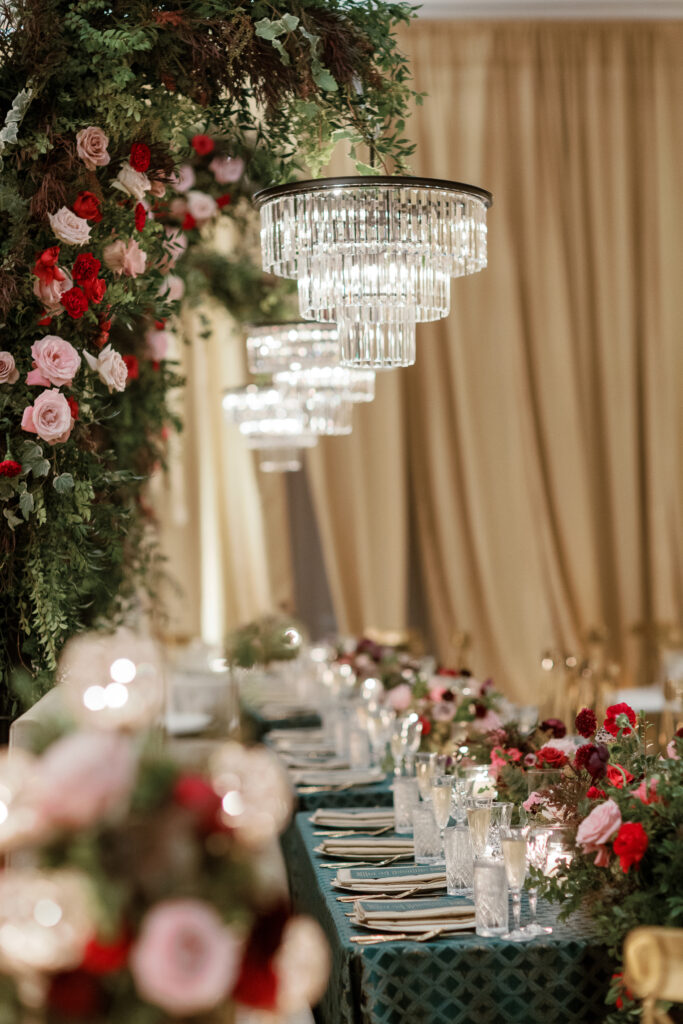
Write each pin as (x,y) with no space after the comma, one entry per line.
(555,726)
(586,723)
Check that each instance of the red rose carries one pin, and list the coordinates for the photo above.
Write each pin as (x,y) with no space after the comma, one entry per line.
(224,200)
(75,994)
(555,726)
(45,322)
(106,957)
(426,725)
(617,775)
(630,844)
(94,290)
(613,713)
(596,794)
(87,206)
(188,222)
(8,467)
(257,983)
(73,405)
(140,216)
(140,156)
(202,144)
(196,795)
(74,302)
(46,266)
(551,757)
(159,325)
(86,267)
(586,723)
(133,367)
(105,325)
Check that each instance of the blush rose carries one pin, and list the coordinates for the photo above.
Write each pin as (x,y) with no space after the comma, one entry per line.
(8,370)
(49,417)
(125,258)
(91,146)
(596,830)
(55,362)
(110,367)
(69,227)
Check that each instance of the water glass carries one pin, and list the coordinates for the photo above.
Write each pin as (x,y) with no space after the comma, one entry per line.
(514,843)
(490,897)
(406,797)
(359,749)
(459,860)
(426,836)
(501,817)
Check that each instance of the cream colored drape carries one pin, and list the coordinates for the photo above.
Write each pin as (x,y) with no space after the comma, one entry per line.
(223,524)
(537,441)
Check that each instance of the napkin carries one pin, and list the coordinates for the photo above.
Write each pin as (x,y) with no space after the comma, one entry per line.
(307,761)
(356,846)
(354,817)
(391,879)
(336,776)
(448,912)
(292,737)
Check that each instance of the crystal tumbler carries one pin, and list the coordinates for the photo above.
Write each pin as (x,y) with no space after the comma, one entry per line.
(406,797)
(459,860)
(426,837)
(490,897)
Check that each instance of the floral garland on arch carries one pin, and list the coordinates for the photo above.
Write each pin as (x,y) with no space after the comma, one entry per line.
(627,807)
(105,101)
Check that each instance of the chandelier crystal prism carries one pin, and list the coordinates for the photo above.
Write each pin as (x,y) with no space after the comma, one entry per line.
(375,255)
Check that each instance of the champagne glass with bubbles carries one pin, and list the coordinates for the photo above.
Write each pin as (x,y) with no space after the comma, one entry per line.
(514,844)
(424,770)
(479,820)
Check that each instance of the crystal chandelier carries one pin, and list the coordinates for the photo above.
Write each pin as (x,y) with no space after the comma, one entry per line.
(273,424)
(375,255)
(305,357)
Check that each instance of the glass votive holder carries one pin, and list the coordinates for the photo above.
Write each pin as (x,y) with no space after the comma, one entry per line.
(490,897)
(426,836)
(501,817)
(406,797)
(459,860)
(359,749)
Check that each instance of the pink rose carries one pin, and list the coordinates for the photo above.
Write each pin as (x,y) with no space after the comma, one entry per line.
(8,371)
(302,965)
(110,367)
(49,417)
(157,343)
(489,721)
(530,760)
(83,778)
(184,179)
(201,206)
(597,829)
(50,292)
(172,288)
(533,801)
(91,146)
(69,227)
(227,169)
(444,711)
(185,960)
(497,762)
(178,208)
(671,750)
(56,362)
(125,257)
(647,792)
(400,698)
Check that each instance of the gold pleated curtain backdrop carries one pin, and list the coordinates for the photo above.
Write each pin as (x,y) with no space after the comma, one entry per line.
(537,442)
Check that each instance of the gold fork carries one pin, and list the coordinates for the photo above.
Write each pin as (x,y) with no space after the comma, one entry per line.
(371,940)
(342,833)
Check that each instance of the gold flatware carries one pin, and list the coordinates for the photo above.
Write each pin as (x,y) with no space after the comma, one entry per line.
(364,863)
(379,896)
(342,834)
(371,940)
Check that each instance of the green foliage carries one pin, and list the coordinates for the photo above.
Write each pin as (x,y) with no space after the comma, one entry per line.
(268,639)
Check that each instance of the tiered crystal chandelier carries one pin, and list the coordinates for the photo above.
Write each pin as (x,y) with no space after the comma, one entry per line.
(374,255)
(273,424)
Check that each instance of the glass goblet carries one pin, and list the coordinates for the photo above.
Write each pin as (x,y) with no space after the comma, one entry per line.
(442,800)
(537,856)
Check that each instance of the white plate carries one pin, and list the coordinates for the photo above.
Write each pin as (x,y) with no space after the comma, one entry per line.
(187,723)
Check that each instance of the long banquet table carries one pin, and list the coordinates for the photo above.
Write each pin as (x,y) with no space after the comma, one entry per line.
(556,979)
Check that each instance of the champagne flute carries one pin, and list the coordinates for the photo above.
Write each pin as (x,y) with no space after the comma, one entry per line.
(413,736)
(479,820)
(424,769)
(514,844)
(397,745)
(442,799)
(537,856)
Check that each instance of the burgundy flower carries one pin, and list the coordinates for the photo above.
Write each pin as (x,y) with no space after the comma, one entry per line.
(140,156)
(193,792)
(86,267)
(257,982)
(133,366)
(106,957)
(75,995)
(593,757)
(140,217)
(223,200)
(8,467)
(555,726)
(188,222)
(586,723)
(87,206)
(75,302)
(448,695)
(73,405)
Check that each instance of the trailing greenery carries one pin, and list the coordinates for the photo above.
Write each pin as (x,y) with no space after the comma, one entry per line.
(269,86)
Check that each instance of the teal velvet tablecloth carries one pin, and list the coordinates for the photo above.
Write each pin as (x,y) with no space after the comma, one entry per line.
(556,979)
(255,725)
(378,794)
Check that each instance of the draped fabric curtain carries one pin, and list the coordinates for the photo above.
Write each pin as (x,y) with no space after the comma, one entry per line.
(537,443)
(223,524)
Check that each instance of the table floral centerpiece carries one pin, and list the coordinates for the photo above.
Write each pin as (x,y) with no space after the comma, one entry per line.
(627,807)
